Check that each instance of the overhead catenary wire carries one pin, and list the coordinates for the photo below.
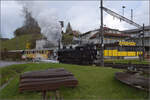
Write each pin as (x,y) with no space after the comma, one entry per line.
(114,14)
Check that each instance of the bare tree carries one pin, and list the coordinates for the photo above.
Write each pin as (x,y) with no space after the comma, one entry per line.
(30,25)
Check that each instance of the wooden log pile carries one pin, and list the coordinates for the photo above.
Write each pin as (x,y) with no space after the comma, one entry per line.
(133,80)
(46,80)
(81,55)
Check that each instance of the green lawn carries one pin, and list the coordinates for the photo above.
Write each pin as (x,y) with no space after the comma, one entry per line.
(94,83)
(9,72)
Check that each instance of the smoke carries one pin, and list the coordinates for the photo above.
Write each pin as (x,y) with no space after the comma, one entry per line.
(46,18)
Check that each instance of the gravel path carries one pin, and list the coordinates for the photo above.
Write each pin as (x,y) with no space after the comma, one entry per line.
(7,63)
(3,86)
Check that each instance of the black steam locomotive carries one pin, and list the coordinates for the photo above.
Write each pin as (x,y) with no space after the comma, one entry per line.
(81,55)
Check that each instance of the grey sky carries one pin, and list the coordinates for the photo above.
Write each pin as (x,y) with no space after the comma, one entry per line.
(83,15)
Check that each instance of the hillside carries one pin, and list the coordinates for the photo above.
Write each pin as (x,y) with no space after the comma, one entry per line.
(19,42)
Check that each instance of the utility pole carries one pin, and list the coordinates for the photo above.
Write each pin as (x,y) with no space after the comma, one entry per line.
(101,36)
(59,41)
(143,49)
(17,46)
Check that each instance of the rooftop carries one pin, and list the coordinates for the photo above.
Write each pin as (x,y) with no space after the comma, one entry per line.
(111,35)
(131,31)
(105,28)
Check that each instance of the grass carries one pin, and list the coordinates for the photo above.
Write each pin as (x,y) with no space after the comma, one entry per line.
(125,61)
(94,83)
(13,44)
(9,72)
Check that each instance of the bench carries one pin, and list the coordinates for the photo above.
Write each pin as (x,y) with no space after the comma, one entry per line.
(47,80)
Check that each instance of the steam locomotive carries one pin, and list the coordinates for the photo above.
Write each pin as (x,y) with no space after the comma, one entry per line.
(87,54)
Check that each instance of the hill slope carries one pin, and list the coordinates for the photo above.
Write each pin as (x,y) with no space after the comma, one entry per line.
(19,42)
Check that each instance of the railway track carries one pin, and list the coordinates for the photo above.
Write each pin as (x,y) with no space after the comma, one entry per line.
(136,67)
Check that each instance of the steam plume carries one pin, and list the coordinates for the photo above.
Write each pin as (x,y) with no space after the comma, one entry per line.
(46,18)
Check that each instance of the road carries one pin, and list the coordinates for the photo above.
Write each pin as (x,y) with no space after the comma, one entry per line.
(6,63)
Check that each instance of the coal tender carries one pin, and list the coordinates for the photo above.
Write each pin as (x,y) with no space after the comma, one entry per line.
(81,55)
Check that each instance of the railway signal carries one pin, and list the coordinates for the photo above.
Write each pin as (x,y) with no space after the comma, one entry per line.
(143,43)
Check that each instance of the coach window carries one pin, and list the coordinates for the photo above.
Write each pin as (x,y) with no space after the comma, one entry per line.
(132,49)
(122,48)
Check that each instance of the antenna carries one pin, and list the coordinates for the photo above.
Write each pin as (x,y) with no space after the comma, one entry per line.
(132,14)
(123,10)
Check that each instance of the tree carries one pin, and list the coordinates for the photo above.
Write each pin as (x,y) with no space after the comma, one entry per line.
(69,29)
(67,39)
(30,25)
(29,20)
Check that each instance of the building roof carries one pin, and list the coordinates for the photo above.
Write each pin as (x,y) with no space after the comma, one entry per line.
(105,28)
(88,32)
(131,31)
(94,33)
(111,35)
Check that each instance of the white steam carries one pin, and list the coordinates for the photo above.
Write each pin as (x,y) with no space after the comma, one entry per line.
(50,27)
(46,18)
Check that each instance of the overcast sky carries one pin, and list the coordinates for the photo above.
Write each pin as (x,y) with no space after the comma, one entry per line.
(83,15)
